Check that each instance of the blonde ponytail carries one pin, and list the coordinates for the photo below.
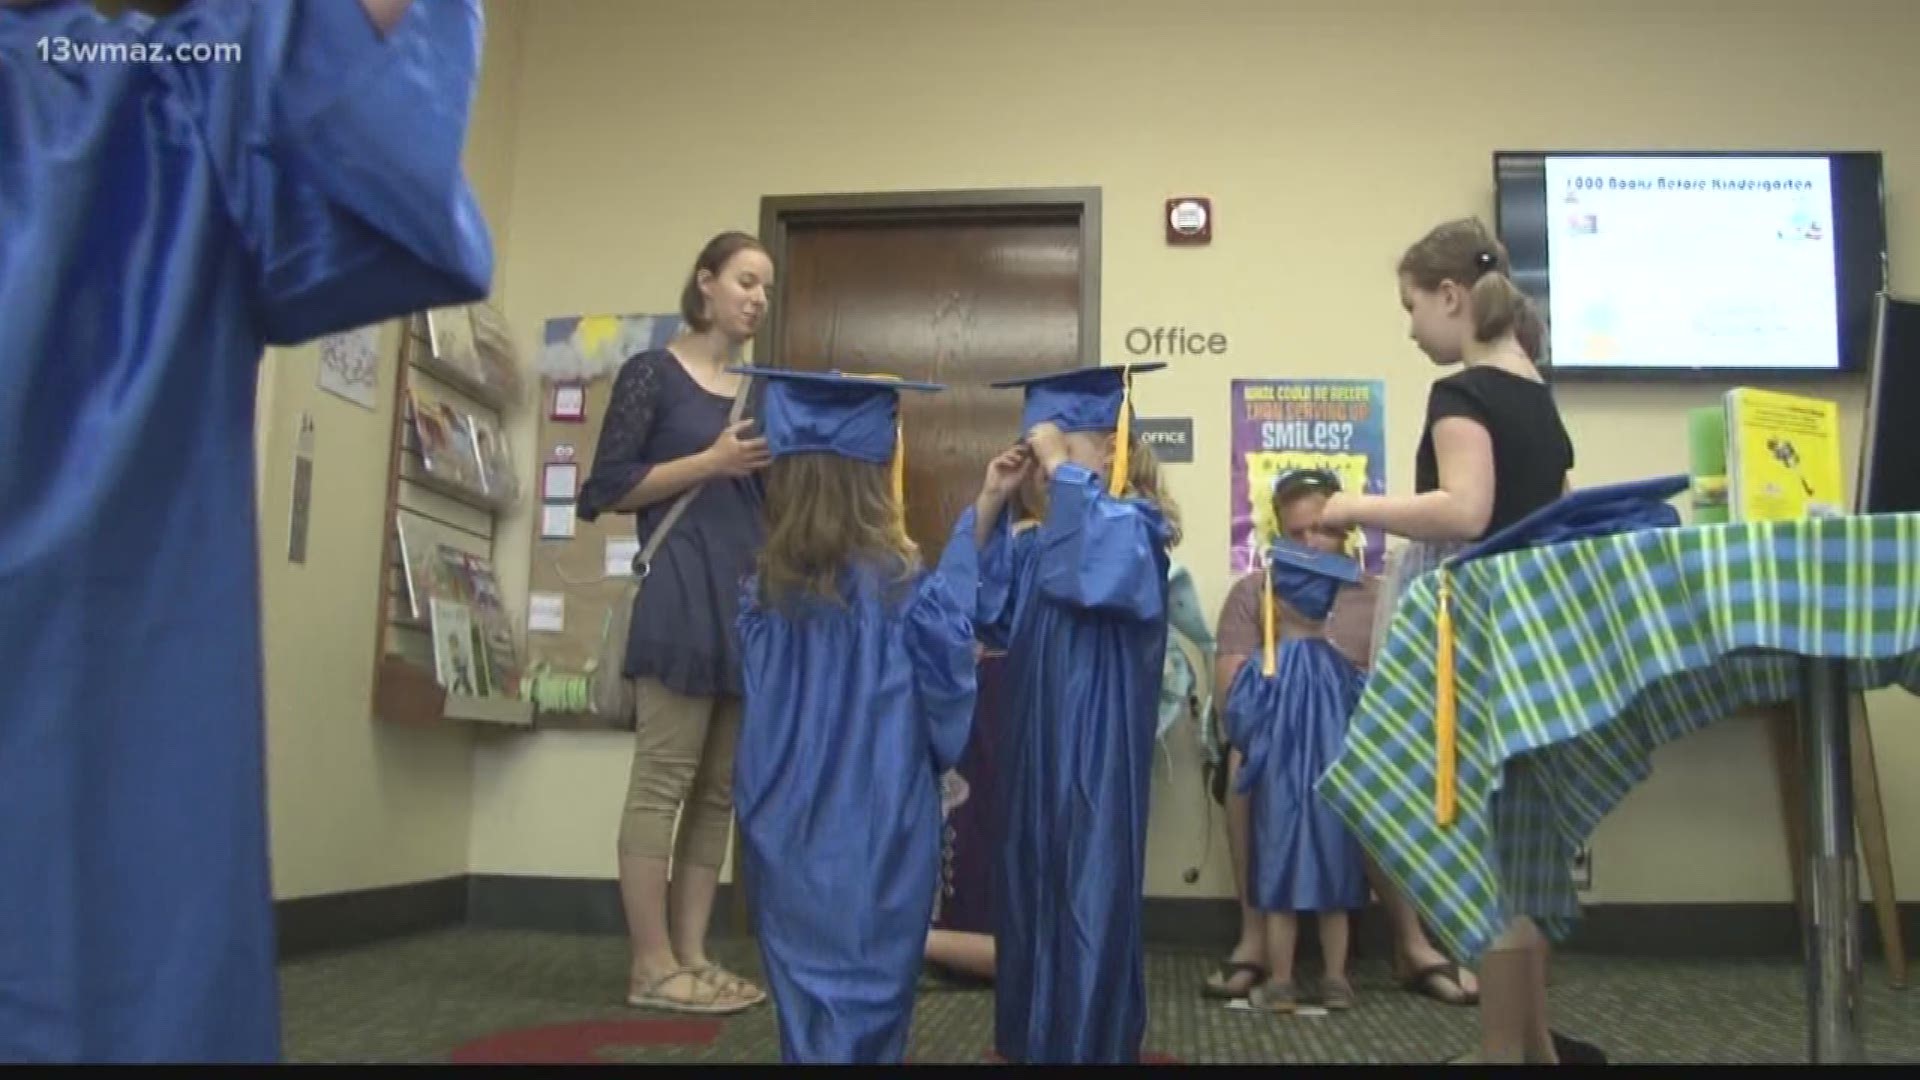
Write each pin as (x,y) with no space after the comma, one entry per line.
(1144,481)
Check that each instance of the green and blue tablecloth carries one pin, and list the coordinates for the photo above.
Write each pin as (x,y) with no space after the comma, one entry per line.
(1573,664)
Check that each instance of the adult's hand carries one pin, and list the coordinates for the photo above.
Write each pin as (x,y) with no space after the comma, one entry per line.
(733,455)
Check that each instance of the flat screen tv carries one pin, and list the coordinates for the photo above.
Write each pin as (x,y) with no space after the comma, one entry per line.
(1719,265)
(1890,444)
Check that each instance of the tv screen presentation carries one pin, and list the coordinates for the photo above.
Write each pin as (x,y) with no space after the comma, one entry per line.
(1890,445)
(1692,264)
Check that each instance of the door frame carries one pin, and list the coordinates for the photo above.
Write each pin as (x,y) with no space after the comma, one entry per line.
(779,213)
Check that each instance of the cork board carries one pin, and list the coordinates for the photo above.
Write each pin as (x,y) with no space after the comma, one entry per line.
(577,349)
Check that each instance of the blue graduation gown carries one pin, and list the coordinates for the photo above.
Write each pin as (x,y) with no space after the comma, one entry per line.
(162,222)
(1081,602)
(852,713)
(1289,727)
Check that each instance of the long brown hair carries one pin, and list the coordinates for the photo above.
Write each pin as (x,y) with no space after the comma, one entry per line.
(1467,253)
(1145,481)
(825,515)
(713,258)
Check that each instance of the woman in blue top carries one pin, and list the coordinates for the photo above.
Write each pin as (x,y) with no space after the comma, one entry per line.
(666,431)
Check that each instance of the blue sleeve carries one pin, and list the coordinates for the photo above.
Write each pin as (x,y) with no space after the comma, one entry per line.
(1100,553)
(939,640)
(999,569)
(1242,711)
(1251,701)
(338,153)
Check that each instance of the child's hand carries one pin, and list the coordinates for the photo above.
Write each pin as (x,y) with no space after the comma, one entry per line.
(1006,472)
(1049,446)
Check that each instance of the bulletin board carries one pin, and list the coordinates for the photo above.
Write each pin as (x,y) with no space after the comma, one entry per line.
(579,359)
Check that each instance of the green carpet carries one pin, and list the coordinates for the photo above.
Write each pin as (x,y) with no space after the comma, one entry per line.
(478,995)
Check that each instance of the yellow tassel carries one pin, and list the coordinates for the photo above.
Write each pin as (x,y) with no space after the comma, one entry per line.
(1269,664)
(1122,439)
(900,465)
(1444,709)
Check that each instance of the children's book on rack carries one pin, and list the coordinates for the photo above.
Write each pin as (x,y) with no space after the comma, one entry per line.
(445,441)
(470,578)
(1783,456)
(496,462)
(419,542)
(471,346)
(439,572)
(456,661)
(462,448)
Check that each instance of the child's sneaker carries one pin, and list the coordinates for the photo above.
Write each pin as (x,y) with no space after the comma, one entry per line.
(1336,994)
(1274,998)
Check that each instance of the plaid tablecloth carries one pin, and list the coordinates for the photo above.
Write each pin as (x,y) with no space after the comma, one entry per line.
(1574,663)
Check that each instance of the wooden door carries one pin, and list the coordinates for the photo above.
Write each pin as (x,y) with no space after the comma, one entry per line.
(964,297)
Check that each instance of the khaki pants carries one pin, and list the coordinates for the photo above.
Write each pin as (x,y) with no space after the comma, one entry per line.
(682,765)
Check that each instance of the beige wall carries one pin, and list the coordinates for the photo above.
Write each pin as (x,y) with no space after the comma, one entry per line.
(1329,134)
(355,804)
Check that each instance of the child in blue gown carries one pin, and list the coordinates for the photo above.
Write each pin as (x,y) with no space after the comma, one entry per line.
(859,678)
(1287,713)
(1080,603)
(160,225)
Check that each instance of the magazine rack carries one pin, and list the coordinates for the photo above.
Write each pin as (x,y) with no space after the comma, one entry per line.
(445,494)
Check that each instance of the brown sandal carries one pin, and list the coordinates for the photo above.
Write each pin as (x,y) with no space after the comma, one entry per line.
(713,973)
(1422,983)
(1219,985)
(716,1001)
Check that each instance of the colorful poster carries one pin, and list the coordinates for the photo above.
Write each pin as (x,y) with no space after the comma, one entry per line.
(1335,424)
(581,348)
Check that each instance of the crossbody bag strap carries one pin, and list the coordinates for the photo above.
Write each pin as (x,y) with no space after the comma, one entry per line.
(643,561)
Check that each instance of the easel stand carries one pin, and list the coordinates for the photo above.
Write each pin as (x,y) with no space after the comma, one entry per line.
(1858,771)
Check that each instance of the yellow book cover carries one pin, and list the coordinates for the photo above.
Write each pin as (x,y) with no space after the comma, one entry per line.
(1783,456)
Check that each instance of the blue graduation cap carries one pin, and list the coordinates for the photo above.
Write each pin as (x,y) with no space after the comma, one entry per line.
(1085,399)
(848,414)
(832,412)
(1309,580)
(1080,399)
(1586,514)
